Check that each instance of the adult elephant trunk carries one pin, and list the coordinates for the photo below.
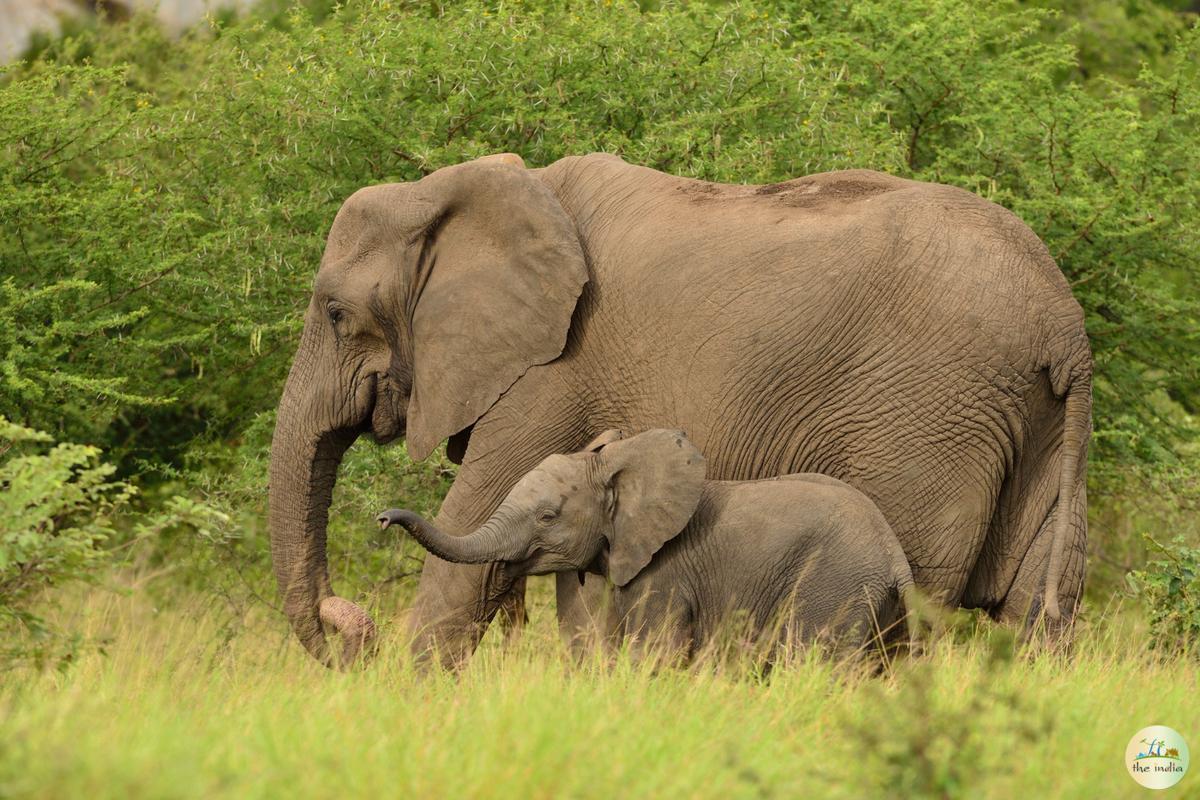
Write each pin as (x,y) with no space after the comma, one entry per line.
(492,541)
(304,463)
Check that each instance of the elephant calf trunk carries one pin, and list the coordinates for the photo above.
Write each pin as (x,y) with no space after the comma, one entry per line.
(487,543)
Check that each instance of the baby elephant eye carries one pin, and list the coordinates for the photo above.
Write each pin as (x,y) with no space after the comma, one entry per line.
(336,314)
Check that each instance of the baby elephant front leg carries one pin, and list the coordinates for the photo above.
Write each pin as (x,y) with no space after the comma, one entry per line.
(659,628)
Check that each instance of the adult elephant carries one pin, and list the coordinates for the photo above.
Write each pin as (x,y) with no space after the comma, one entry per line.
(908,338)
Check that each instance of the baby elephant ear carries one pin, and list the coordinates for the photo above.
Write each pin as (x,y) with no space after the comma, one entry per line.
(657,478)
(606,438)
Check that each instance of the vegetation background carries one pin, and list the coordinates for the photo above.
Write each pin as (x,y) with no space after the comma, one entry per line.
(163,207)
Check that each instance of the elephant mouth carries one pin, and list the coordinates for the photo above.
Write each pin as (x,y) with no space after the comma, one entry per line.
(387,438)
(456,445)
(388,413)
(387,434)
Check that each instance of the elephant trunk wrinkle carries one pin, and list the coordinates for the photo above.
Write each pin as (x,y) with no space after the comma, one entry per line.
(485,544)
(303,470)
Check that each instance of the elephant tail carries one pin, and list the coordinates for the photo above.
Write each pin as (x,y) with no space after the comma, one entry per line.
(1076,429)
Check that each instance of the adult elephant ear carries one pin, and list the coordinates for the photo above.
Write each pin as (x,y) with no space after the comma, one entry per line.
(499,271)
(656,479)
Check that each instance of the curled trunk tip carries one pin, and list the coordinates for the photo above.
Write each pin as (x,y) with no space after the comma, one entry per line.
(356,628)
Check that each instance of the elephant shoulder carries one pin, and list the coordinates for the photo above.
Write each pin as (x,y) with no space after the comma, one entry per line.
(576,169)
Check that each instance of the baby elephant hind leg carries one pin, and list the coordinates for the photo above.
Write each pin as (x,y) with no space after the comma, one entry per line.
(867,617)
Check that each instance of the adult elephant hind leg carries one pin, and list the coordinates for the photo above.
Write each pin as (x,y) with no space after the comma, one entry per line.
(453,606)
(1024,510)
(941,523)
(1049,578)
(1023,604)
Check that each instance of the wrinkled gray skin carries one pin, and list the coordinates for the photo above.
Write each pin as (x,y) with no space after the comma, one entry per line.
(802,557)
(910,339)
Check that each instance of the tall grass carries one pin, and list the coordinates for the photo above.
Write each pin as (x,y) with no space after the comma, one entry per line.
(187,701)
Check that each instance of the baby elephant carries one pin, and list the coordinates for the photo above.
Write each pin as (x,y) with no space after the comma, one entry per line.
(800,558)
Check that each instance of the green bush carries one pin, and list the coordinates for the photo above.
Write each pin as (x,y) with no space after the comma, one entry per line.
(56,508)
(1169,587)
(916,744)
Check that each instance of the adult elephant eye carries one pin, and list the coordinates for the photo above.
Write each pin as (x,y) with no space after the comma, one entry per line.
(336,314)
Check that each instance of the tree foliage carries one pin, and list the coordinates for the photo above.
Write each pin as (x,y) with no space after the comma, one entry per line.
(175,194)
(1169,588)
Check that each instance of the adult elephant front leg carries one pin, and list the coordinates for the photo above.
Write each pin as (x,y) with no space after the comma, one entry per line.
(454,605)
(456,602)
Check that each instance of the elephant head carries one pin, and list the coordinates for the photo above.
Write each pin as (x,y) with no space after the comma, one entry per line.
(431,300)
(608,508)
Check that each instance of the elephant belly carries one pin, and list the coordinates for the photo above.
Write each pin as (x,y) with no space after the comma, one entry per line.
(932,458)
